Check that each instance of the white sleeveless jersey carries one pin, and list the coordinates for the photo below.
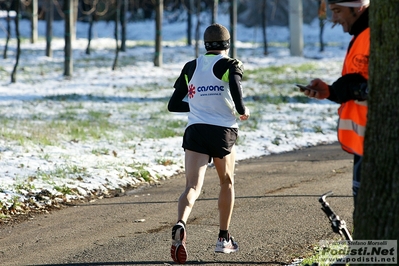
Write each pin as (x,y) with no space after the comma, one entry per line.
(209,97)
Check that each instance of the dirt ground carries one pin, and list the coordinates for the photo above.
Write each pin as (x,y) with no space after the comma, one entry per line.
(276,218)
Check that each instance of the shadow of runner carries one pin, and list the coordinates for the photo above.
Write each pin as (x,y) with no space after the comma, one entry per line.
(204,199)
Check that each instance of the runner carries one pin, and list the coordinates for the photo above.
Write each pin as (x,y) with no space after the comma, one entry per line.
(212,84)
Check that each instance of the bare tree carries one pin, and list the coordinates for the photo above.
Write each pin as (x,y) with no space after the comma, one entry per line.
(158,33)
(34,20)
(264,26)
(49,26)
(123,19)
(75,8)
(17,11)
(214,7)
(117,18)
(88,9)
(377,213)
(68,61)
(233,28)
(190,9)
(8,5)
(197,28)
(322,14)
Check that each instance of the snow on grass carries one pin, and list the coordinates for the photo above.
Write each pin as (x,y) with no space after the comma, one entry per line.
(101,130)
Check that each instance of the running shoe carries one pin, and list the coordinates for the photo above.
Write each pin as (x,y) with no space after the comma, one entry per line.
(178,250)
(224,246)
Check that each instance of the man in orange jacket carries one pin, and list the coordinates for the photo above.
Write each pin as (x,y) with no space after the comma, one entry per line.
(350,90)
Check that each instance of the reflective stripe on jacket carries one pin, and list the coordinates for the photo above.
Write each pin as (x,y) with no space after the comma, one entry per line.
(353,114)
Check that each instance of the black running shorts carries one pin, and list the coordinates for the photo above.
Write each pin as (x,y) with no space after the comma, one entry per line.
(213,140)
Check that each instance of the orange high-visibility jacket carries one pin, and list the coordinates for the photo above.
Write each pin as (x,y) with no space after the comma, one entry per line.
(353,114)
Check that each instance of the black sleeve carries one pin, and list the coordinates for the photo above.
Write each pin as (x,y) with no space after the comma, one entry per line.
(176,103)
(349,87)
(236,71)
(236,92)
(333,97)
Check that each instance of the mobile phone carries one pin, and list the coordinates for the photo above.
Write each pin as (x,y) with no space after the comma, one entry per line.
(305,88)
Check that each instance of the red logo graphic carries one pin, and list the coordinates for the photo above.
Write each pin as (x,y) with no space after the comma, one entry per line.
(361,61)
(191,91)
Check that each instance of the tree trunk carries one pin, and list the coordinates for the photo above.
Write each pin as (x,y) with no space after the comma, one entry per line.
(377,213)
(233,28)
(214,11)
(264,26)
(190,9)
(8,30)
(18,12)
(321,25)
(89,10)
(34,19)
(117,18)
(322,14)
(49,26)
(89,33)
(295,26)
(197,28)
(74,18)
(68,63)
(124,9)
(158,34)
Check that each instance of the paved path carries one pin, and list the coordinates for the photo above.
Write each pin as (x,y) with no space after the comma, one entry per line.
(277,217)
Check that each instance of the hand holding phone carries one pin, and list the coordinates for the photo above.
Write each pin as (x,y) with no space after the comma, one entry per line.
(302,87)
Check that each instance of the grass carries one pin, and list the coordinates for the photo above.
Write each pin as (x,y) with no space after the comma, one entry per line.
(64,190)
(165,161)
(61,172)
(140,172)
(71,118)
(321,256)
(279,75)
(106,60)
(101,151)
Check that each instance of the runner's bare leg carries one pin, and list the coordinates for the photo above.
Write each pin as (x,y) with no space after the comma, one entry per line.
(225,168)
(195,168)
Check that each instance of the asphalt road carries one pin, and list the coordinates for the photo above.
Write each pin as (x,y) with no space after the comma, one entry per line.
(277,217)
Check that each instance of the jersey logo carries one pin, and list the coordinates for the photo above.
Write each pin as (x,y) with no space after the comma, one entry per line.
(210,88)
(191,91)
(361,61)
